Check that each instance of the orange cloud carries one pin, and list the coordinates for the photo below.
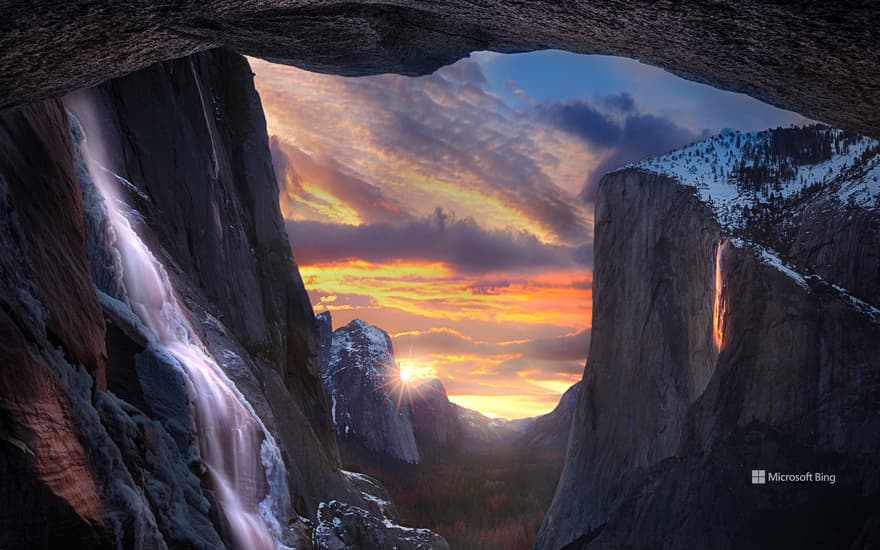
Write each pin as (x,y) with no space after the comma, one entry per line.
(433,290)
(388,151)
(433,141)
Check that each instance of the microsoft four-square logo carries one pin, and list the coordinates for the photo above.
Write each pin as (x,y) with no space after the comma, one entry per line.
(759,477)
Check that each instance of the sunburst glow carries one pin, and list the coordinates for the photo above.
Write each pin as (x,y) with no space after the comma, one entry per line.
(414,371)
(406,375)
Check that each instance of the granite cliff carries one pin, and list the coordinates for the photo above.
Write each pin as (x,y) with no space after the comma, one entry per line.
(100,446)
(369,407)
(720,344)
(719,347)
(379,417)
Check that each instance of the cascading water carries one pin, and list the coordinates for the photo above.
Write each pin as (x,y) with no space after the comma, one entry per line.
(718,305)
(242,460)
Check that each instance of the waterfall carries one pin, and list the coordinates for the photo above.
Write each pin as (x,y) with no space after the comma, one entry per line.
(242,460)
(718,305)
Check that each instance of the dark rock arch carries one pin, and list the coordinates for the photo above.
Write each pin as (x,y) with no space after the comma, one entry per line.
(817,58)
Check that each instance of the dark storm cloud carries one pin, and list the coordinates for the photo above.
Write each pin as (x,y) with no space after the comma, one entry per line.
(643,136)
(581,119)
(561,348)
(489,287)
(622,102)
(460,243)
(613,123)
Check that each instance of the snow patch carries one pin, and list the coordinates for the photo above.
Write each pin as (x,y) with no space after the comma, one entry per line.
(770,258)
(713,167)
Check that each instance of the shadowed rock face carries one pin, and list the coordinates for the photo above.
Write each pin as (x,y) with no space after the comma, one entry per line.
(190,138)
(549,432)
(443,428)
(98,444)
(668,426)
(62,479)
(817,58)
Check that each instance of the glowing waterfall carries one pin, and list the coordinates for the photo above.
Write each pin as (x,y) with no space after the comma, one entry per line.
(242,460)
(718,305)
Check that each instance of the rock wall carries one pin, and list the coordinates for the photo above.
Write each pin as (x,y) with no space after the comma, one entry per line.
(436,421)
(667,429)
(99,448)
(817,58)
(189,136)
(549,433)
(63,479)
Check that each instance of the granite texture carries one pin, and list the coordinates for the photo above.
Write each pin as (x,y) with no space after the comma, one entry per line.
(816,58)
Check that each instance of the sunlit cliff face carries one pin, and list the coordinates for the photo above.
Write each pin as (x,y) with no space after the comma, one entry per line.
(455,210)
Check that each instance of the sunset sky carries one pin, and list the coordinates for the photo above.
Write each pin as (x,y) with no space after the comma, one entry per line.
(455,210)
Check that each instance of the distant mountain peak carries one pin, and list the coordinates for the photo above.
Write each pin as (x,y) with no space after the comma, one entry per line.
(365,408)
(432,386)
(362,346)
(369,411)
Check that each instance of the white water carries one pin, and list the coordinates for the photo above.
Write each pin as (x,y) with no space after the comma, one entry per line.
(242,460)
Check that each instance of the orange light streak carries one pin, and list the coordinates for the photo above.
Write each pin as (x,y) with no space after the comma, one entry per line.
(718,307)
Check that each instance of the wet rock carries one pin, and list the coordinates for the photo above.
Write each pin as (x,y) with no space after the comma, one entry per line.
(121,468)
(344,527)
(64,482)
(188,138)
(174,491)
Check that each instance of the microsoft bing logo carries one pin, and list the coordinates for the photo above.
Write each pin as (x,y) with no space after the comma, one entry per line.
(759,477)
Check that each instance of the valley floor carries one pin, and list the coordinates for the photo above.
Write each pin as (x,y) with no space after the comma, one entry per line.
(476,501)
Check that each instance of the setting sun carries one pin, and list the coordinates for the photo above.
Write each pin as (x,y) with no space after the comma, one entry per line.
(406,375)
(411,371)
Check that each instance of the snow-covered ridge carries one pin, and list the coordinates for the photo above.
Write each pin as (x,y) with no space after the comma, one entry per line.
(770,258)
(766,187)
(737,173)
(360,345)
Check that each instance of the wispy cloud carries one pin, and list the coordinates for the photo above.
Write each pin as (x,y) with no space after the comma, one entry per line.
(444,139)
(455,210)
